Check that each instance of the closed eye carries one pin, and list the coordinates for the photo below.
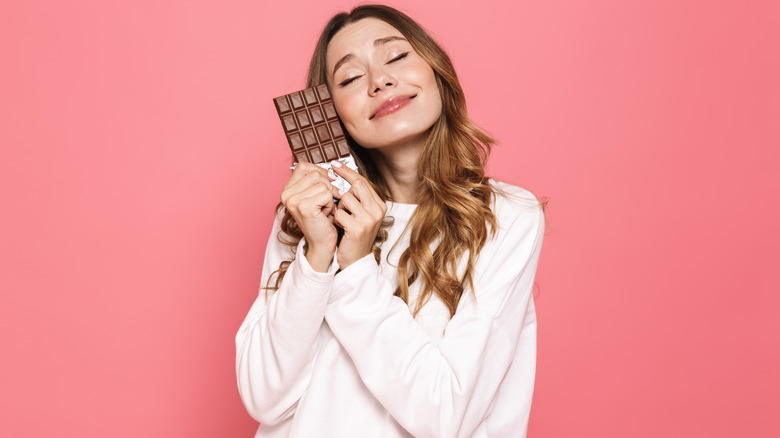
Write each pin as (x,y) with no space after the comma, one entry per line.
(399,57)
(348,81)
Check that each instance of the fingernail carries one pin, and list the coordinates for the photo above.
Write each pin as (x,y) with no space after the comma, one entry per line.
(331,175)
(335,164)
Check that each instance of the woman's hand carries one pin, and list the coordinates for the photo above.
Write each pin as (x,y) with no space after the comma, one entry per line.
(360,213)
(308,196)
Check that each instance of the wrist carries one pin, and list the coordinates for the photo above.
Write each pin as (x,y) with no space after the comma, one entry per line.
(347,260)
(318,259)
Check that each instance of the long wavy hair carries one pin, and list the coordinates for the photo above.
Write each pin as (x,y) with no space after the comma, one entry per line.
(453,214)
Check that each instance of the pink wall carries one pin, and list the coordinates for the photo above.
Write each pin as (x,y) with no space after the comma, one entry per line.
(141,160)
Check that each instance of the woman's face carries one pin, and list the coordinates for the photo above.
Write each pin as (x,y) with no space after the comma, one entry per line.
(384,92)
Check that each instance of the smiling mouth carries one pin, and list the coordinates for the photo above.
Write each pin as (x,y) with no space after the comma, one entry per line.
(392,107)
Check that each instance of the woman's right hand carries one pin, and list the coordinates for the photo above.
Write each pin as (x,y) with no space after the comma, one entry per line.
(308,196)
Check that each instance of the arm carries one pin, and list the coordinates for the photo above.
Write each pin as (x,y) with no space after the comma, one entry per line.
(277,342)
(445,390)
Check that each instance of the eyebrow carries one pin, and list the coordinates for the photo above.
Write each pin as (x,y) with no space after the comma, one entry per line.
(378,42)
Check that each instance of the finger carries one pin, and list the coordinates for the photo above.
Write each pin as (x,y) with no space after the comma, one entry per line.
(360,184)
(345,172)
(362,211)
(311,202)
(343,220)
(303,169)
(304,183)
(361,189)
(353,178)
(353,205)
(320,199)
(372,203)
(310,170)
(295,188)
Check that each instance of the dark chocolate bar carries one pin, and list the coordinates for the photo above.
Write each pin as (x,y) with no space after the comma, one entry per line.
(312,126)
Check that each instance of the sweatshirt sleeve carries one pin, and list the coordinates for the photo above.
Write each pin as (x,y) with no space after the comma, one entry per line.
(276,343)
(443,390)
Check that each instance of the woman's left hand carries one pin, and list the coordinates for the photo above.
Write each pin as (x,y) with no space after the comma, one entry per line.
(360,212)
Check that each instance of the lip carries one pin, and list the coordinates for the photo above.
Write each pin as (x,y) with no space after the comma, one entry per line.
(392,105)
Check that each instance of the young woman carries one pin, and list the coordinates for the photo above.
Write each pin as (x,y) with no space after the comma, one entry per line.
(417,319)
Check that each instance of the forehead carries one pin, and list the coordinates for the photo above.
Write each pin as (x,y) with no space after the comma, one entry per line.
(358,36)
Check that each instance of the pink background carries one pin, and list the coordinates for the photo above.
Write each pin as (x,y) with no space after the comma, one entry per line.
(142,158)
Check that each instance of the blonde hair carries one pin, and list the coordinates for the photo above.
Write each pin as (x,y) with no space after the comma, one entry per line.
(454,206)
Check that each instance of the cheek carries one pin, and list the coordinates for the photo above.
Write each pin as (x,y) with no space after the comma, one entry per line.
(427,79)
(345,107)
(423,73)
(436,113)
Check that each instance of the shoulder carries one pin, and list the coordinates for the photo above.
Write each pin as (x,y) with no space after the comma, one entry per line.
(506,264)
(512,204)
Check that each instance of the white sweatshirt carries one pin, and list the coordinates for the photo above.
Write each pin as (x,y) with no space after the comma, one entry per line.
(337,355)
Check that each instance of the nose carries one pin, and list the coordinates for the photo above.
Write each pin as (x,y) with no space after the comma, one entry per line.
(380,80)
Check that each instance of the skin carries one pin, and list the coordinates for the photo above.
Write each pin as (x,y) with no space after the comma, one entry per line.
(371,75)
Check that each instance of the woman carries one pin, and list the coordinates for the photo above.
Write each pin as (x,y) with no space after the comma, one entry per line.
(419,319)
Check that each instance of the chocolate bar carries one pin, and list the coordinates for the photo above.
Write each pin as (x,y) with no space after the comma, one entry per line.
(312,126)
